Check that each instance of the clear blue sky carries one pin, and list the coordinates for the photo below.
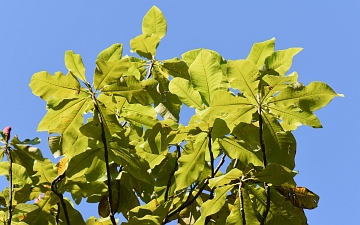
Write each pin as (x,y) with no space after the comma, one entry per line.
(35,35)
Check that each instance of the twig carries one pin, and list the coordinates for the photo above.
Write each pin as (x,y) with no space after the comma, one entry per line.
(106,156)
(263,150)
(150,68)
(54,187)
(172,173)
(11,188)
(211,196)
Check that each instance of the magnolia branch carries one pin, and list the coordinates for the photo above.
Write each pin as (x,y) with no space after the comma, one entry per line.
(54,188)
(106,156)
(11,188)
(172,173)
(263,150)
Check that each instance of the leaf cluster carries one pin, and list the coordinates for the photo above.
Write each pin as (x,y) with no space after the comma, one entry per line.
(121,144)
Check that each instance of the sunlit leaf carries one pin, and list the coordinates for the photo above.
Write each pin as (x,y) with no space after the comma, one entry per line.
(75,65)
(186,93)
(47,86)
(132,89)
(176,67)
(154,22)
(145,45)
(114,52)
(233,175)
(191,165)
(281,60)
(206,75)
(310,98)
(275,174)
(300,196)
(108,72)
(45,171)
(243,75)
(260,51)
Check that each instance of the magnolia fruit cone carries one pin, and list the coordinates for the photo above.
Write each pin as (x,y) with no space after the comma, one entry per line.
(7,131)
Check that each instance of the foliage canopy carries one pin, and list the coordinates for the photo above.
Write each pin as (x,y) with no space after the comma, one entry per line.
(231,164)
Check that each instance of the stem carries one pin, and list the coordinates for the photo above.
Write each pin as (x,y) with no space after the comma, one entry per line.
(106,156)
(54,187)
(207,220)
(263,150)
(7,150)
(150,68)
(241,199)
(172,173)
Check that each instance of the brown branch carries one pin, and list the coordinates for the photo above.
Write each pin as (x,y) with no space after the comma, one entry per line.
(207,220)
(241,199)
(263,150)
(54,188)
(106,157)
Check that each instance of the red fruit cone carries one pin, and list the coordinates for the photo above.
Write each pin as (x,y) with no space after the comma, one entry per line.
(7,131)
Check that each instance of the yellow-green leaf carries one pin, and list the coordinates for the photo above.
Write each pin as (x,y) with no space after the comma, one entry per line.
(260,51)
(154,22)
(186,93)
(75,65)
(114,52)
(145,45)
(281,60)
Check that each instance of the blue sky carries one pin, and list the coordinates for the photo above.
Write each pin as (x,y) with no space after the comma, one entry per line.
(35,35)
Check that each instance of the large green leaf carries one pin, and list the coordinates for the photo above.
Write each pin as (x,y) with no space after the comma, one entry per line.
(114,52)
(108,72)
(310,98)
(145,45)
(176,67)
(281,60)
(214,205)
(75,65)
(43,214)
(66,119)
(45,171)
(154,22)
(186,93)
(46,86)
(232,109)
(243,75)
(260,51)
(235,216)
(206,75)
(191,165)
(235,150)
(275,174)
(133,90)
(80,163)
(291,115)
(280,145)
(233,175)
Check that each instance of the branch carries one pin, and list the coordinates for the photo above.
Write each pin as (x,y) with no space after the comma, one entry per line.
(263,150)
(150,68)
(54,187)
(11,188)
(106,156)
(172,174)
(207,220)
(241,199)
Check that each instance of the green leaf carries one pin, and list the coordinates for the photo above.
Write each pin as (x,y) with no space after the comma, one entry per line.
(206,75)
(114,52)
(46,171)
(133,90)
(4,168)
(243,75)
(186,93)
(233,175)
(108,72)
(280,145)
(170,108)
(191,165)
(310,98)
(235,217)
(235,150)
(232,109)
(43,214)
(275,174)
(80,163)
(66,120)
(25,156)
(46,86)
(260,51)
(295,116)
(281,61)
(214,205)
(16,141)
(154,22)
(74,215)
(19,175)
(176,67)
(276,84)
(75,65)
(145,45)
